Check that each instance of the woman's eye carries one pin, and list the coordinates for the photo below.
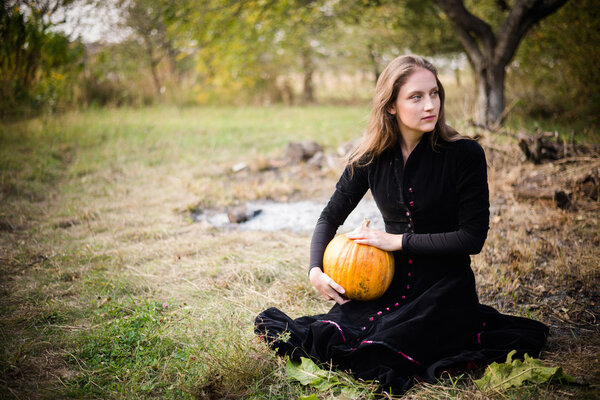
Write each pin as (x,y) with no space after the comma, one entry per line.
(415,97)
(435,93)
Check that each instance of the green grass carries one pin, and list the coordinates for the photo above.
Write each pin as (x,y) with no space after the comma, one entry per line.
(83,257)
(108,290)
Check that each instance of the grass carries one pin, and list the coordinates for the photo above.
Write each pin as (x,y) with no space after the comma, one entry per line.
(109,290)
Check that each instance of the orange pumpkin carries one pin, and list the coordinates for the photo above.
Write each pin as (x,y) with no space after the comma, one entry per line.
(364,271)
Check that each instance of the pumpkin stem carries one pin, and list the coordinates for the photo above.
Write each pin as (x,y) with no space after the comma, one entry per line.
(365,223)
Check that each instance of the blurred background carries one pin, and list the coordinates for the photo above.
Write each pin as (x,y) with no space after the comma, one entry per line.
(59,55)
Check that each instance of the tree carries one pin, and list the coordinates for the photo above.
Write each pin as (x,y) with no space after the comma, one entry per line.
(28,48)
(149,20)
(489,53)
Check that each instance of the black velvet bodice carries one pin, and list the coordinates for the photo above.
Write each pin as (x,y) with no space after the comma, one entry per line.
(438,199)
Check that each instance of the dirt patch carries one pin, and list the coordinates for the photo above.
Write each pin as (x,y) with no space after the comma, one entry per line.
(299,216)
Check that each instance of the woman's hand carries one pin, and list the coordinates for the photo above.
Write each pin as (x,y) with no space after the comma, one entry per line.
(326,286)
(380,239)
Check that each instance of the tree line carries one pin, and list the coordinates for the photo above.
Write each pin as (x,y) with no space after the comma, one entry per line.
(219,51)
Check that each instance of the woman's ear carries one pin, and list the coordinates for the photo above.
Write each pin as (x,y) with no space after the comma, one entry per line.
(392,110)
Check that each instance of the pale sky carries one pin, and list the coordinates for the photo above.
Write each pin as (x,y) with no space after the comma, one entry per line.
(93,24)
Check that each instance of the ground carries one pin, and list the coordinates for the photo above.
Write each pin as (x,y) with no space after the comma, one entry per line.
(109,289)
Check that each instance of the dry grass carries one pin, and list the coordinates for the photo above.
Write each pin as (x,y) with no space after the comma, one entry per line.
(118,230)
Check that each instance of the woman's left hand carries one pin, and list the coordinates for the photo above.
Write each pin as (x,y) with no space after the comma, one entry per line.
(380,239)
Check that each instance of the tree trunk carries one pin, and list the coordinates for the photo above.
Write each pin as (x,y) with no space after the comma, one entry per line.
(490,95)
(153,65)
(374,63)
(489,53)
(495,95)
(308,94)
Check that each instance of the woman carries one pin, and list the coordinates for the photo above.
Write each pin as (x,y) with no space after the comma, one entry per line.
(430,184)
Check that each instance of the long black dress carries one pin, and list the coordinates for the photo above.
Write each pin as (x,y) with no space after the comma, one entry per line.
(430,319)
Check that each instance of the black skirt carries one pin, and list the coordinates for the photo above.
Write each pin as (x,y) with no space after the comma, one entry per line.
(425,323)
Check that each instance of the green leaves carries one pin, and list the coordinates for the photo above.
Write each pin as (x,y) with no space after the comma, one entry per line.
(516,373)
(310,374)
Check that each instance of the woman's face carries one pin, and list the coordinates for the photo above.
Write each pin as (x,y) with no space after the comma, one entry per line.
(418,103)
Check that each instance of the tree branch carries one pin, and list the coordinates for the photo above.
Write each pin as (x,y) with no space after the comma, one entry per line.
(470,28)
(520,19)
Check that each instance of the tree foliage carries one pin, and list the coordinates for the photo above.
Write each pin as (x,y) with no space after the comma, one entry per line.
(554,75)
(265,51)
(34,61)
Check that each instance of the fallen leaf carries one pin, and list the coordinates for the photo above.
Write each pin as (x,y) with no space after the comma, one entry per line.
(309,373)
(515,373)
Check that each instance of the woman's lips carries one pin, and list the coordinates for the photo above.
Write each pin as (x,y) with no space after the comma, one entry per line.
(429,118)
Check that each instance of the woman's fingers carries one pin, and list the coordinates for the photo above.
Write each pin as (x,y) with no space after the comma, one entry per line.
(339,299)
(337,287)
(363,236)
(380,239)
(333,290)
(330,289)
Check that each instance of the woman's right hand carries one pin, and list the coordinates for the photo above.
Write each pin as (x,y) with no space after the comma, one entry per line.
(327,286)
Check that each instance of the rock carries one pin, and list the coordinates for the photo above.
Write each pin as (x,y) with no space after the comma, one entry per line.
(344,149)
(239,214)
(240,167)
(261,164)
(317,161)
(296,152)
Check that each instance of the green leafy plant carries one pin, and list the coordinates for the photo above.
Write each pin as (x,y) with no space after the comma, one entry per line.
(310,374)
(515,373)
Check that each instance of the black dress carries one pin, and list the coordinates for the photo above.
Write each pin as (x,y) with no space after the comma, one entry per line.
(430,319)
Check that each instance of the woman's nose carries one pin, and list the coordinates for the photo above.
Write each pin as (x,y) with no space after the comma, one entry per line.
(428,103)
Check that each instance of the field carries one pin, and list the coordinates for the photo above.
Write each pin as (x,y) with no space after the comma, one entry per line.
(110,290)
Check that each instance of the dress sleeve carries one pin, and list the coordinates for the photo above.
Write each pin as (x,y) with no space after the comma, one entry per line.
(349,190)
(473,211)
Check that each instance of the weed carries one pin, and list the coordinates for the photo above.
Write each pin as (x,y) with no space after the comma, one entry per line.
(129,352)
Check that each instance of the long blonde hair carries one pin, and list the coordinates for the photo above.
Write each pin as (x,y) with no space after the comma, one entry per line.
(382,130)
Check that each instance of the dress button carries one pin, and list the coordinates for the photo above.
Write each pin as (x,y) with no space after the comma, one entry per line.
(410,261)
(396,305)
(403,297)
(371,319)
(409,274)
(409,225)
(408,213)
(411,203)
(410,190)
(379,313)
(364,328)
(387,309)
(407,286)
